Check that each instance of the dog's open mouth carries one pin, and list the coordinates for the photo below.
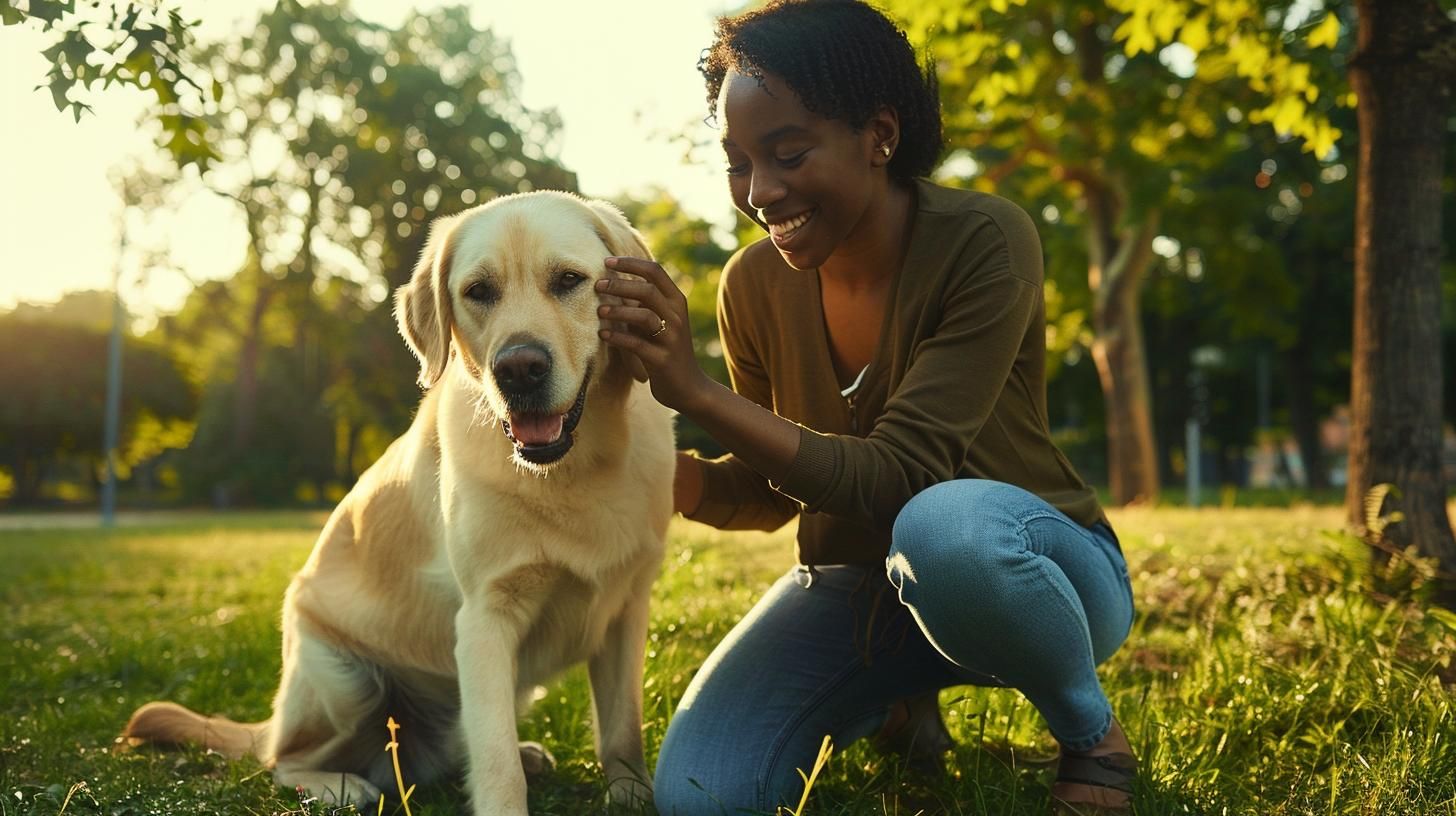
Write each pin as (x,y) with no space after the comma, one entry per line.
(542,439)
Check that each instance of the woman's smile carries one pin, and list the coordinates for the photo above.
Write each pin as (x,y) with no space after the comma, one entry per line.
(785,232)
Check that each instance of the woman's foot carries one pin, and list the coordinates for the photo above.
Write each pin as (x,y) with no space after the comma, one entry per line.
(1097,780)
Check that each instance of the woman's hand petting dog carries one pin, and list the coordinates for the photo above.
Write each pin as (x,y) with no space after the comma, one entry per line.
(658,333)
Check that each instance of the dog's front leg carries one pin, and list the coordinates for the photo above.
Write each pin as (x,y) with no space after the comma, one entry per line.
(485,653)
(616,681)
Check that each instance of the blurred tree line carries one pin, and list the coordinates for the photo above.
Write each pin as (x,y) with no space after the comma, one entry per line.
(51,413)
(337,140)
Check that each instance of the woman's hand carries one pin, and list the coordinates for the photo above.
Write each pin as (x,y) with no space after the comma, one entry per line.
(655,315)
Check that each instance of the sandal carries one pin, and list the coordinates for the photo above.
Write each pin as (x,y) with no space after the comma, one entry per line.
(1099,784)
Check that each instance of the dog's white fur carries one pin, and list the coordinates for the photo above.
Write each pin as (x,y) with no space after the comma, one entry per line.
(455,576)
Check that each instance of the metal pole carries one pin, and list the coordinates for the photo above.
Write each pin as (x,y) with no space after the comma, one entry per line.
(113,394)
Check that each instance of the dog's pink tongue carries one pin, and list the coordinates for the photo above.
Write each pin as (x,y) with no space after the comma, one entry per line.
(537,430)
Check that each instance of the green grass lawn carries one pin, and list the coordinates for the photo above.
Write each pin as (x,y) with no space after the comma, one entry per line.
(1268,673)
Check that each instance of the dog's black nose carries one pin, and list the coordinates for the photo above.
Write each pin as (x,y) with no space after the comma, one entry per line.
(520,369)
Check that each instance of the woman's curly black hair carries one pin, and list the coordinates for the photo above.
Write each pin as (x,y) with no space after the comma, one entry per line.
(844,59)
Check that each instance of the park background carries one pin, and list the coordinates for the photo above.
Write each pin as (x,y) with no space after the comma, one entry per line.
(262,367)
(254,180)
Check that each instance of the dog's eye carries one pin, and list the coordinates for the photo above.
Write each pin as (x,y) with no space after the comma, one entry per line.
(567,281)
(481,292)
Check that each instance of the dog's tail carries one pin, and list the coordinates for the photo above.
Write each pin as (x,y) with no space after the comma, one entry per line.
(172,724)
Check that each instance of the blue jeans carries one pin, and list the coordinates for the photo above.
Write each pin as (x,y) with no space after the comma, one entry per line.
(986,584)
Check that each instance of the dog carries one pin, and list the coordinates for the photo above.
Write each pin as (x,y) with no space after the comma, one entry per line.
(513,531)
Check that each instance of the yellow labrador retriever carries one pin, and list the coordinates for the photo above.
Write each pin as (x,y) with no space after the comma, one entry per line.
(513,531)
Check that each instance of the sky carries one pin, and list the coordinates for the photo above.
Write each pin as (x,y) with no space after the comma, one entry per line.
(620,74)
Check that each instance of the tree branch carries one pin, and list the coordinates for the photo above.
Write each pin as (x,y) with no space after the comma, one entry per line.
(1122,274)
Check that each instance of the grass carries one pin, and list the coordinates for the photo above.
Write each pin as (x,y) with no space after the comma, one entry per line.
(1268,673)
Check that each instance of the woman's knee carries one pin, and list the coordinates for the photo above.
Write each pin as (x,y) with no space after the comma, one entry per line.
(965,524)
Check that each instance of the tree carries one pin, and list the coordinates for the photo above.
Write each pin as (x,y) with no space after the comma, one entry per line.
(338,140)
(1069,105)
(1403,72)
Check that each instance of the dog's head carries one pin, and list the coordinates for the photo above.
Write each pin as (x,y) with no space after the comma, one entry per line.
(506,291)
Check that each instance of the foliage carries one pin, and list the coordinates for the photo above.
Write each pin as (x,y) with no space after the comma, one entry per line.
(86,308)
(54,411)
(1273,45)
(141,45)
(1263,676)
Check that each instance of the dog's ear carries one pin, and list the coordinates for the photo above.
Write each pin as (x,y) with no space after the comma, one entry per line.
(614,230)
(624,241)
(422,306)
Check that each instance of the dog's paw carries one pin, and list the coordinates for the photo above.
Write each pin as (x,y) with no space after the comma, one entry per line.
(536,760)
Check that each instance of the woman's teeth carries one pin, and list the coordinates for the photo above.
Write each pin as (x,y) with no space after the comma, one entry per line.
(784,229)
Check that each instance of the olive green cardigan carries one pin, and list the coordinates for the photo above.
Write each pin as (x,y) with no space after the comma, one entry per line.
(956,387)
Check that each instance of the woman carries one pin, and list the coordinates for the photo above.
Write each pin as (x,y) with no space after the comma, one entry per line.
(886,345)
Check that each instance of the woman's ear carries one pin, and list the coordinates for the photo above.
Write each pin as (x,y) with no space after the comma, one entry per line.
(883,131)
(422,306)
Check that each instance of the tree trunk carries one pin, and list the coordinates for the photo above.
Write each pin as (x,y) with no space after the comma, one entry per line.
(1402,73)
(1118,265)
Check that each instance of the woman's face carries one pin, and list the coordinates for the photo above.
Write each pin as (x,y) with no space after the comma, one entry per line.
(808,180)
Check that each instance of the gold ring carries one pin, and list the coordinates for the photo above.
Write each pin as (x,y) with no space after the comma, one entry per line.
(661,327)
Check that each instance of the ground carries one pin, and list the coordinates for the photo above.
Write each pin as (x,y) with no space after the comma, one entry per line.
(1269,672)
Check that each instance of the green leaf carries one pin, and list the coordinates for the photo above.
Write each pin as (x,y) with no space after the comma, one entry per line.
(51,10)
(1445,616)
(59,87)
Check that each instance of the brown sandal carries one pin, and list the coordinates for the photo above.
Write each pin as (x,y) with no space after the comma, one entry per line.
(1100,784)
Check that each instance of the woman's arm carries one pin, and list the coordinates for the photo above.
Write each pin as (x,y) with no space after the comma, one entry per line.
(687,484)
(659,335)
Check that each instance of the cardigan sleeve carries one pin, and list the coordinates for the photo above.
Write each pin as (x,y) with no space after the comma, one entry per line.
(950,386)
(735,496)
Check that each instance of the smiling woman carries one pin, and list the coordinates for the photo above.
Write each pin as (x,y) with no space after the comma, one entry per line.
(886,344)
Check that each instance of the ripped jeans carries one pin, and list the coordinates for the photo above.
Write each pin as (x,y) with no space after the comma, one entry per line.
(986,584)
